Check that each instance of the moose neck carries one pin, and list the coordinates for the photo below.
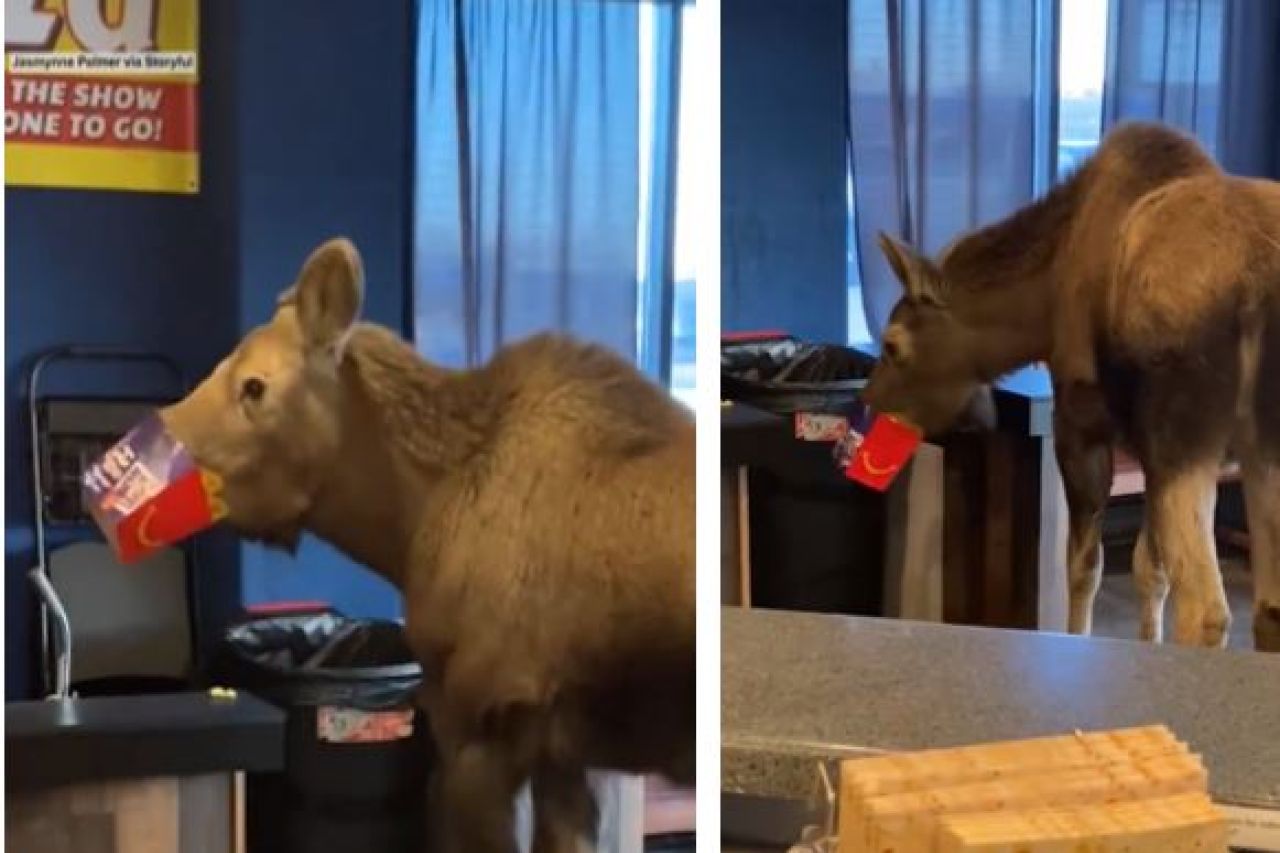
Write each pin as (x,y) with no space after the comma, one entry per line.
(1001,285)
(1008,327)
(407,425)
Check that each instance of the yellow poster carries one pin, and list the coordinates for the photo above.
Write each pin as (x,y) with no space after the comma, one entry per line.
(102,94)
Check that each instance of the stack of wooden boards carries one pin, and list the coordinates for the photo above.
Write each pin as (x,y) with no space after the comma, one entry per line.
(1139,790)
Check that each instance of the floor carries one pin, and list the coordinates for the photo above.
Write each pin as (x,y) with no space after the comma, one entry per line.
(1115,612)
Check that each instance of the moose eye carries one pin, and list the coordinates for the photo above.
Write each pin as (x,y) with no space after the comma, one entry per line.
(892,350)
(252,389)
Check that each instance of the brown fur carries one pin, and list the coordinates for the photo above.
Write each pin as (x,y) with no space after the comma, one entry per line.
(537,514)
(1149,282)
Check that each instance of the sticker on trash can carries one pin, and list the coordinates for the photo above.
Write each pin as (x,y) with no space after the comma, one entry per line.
(810,426)
(347,725)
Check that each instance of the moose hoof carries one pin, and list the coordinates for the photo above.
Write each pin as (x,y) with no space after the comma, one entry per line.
(1214,630)
(1266,627)
(1206,629)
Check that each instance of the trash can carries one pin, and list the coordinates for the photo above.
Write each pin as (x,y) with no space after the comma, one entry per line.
(784,376)
(357,750)
(817,539)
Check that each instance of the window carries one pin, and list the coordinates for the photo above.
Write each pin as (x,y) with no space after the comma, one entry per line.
(868,43)
(521,224)
(687,228)
(1082,60)
(859,334)
(1081,68)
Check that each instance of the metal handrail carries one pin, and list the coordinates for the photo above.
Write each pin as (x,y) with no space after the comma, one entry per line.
(52,602)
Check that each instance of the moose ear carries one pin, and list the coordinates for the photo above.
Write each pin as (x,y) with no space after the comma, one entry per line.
(900,256)
(920,278)
(329,293)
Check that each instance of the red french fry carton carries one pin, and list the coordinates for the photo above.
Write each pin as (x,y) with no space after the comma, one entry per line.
(146,492)
(873,458)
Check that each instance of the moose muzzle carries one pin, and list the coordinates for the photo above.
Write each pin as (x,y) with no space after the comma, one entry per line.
(147,492)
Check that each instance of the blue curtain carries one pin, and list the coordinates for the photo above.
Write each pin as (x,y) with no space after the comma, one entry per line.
(657,285)
(951,110)
(1165,63)
(1251,89)
(527,196)
(1209,67)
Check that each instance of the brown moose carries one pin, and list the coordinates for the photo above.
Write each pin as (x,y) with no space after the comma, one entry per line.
(536,513)
(1149,282)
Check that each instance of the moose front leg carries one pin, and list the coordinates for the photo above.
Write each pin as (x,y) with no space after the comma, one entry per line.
(474,799)
(479,771)
(1083,448)
(566,817)
(1153,585)
(1181,508)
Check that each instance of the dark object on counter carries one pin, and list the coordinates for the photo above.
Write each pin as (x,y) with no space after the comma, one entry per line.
(72,741)
(355,775)
(783,375)
(130,685)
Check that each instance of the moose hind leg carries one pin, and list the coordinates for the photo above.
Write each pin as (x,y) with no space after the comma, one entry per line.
(1084,459)
(566,817)
(1152,583)
(1262,499)
(1181,508)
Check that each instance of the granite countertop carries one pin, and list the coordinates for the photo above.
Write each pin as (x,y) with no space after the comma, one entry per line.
(797,688)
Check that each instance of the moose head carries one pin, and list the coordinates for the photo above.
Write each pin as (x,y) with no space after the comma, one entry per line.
(269,419)
(924,374)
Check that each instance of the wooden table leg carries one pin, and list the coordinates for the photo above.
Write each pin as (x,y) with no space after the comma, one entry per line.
(961,530)
(1003,533)
(239,841)
(913,540)
(1051,557)
(744,536)
(735,538)
(997,550)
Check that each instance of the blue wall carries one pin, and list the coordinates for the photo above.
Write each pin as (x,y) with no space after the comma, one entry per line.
(782,218)
(324,148)
(305,116)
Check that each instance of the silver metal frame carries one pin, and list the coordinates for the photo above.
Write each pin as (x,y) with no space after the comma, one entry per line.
(55,662)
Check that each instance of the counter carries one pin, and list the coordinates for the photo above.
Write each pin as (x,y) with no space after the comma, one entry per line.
(799,687)
(133,773)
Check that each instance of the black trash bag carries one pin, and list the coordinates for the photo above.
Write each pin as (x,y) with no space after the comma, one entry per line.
(323,659)
(783,375)
(333,797)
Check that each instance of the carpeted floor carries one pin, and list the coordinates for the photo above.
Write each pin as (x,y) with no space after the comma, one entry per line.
(1115,613)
